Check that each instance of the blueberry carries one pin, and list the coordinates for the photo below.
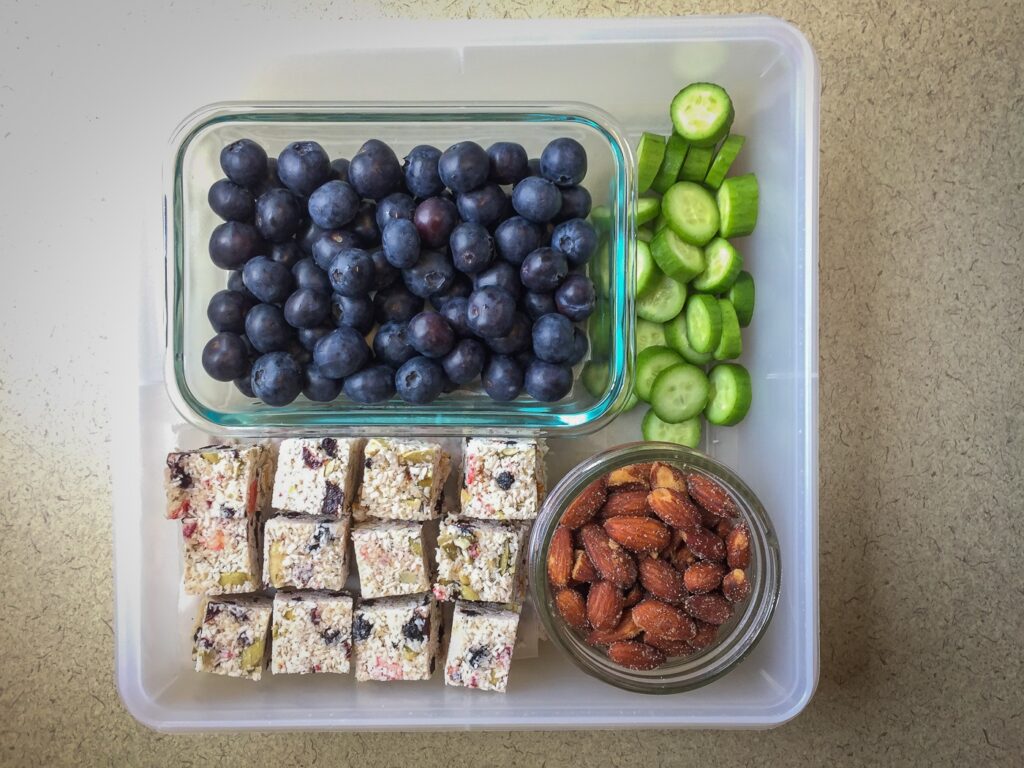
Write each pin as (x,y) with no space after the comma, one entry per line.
(454,311)
(307,235)
(460,287)
(524,358)
(269,181)
(431,335)
(329,244)
(544,270)
(235,283)
(308,275)
(465,362)
(391,344)
(536,199)
(464,166)
(401,243)
(364,225)
(421,176)
(371,385)
(333,204)
(306,308)
(396,303)
(490,311)
(433,273)
(534,166)
(244,162)
(547,382)
(339,169)
(277,378)
(503,378)
(516,238)
(501,275)
(564,161)
(580,347)
(226,311)
(577,239)
(419,380)
(233,243)
(267,329)
(278,215)
(383,273)
(447,385)
(288,253)
(225,357)
(537,304)
(508,161)
(361,628)
(553,338)
(351,272)
(230,201)
(267,280)
(308,337)
(303,166)
(320,388)
(575,298)
(301,355)
(518,339)
(244,385)
(341,352)
(375,171)
(435,218)
(576,204)
(353,311)
(472,248)
(486,205)
(397,205)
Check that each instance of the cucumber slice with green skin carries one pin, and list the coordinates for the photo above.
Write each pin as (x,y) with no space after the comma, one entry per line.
(601,218)
(599,331)
(661,222)
(649,364)
(730,345)
(675,152)
(679,393)
(631,401)
(675,338)
(649,154)
(663,301)
(648,334)
(595,378)
(702,113)
(742,297)
(724,264)
(724,159)
(695,166)
(645,235)
(598,269)
(647,273)
(647,209)
(737,205)
(730,395)
(684,433)
(676,258)
(703,322)
(691,212)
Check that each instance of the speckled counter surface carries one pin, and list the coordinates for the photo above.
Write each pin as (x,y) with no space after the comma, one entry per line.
(922,405)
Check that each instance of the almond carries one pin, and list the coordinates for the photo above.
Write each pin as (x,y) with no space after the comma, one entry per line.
(674,508)
(683,559)
(662,621)
(667,476)
(634,655)
(638,534)
(723,528)
(585,506)
(571,607)
(669,647)
(736,586)
(631,478)
(706,635)
(604,605)
(701,578)
(634,595)
(737,547)
(626,629)
(582,569)
(628,503)
(711,496)
(662,580)
(673,544)
(713,609)
(560,557)
(705,545)
(612,562)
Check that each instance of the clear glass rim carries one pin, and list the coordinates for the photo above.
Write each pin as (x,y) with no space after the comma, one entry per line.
(738,637)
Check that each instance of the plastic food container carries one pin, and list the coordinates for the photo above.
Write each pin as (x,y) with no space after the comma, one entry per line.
(736,638)
(342,128)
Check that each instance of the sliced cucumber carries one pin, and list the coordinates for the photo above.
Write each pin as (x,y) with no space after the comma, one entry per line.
(675,338)
(724,159)
(675,152)
(630,404)
(679,393)
(645,235)
(742,297)
(647,209)
(595,378)
(601,218)
(730,345)
(649,154)
(695,166)
(649,364)
(646,269)
(737,205)
(703,322)
(684,433)
(691,212)
(723,267)
(648,334)
(661,222)
(662,301)
(702,114)
(599,268)
(599,330)
(730,394)
(675,257)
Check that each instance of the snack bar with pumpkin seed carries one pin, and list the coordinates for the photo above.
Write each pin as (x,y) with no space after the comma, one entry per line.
(303,552)
(390,557)
(312,633)
(480,651)
(402,480)
(231,636)
(397,638)
(221,555)
(480,560)
(219,481)
(316,476)
(503,479)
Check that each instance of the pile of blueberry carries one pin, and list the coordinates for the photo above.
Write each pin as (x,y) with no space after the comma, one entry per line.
(323,252)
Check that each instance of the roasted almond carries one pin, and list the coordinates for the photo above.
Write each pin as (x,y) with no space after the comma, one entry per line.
(713,609)
(683,558)
(723,528)
(669,647)
(711,496)
(661,580)
(604,605)
(571,607)
(703,577)
(737,547)
(706,635)
(634,655)
(585,506)
(560,557)
(667,476)
(631,478)
(736,586)
(662,621)
(705,545)
(628,503)
(674,508)
(612,562)
(582,569)
(626,629)
(638,534)
(634,595)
